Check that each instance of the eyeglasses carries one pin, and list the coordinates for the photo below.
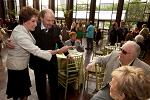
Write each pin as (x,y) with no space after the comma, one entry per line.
(123,51)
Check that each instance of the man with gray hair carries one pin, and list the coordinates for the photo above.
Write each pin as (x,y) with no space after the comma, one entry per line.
(139,38)
(126,56)
(46,35)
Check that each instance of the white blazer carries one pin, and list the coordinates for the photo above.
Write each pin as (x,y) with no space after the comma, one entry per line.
(24,42)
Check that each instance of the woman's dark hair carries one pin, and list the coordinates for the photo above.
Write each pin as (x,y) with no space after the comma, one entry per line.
(26,13)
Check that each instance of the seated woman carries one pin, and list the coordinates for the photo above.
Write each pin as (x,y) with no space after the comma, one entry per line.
(74,42)
(129,83)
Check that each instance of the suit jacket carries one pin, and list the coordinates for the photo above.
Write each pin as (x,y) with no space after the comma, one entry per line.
(24,42)
(111,62)
(46,41)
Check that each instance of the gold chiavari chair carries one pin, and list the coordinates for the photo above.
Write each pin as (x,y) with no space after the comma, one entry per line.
(95,52)
(70,74)
(97,73)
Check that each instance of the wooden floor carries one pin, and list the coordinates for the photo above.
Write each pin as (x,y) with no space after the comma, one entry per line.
(72,94)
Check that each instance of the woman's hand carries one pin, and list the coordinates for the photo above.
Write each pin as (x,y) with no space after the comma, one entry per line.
(9,44)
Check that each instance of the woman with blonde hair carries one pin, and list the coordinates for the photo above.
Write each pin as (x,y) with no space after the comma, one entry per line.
(129,83)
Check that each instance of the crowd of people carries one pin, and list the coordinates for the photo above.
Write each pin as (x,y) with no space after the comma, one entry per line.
(37,38)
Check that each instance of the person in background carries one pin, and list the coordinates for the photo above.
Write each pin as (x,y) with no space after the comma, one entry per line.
(98,35)
(115,59)
(21,45)
(89,36)
(129,83)
(122,32)
(73,27)
(139,39)
(12,24)
(129,36)
(74,42)
(1,22)
(145,33)
(113,34)
(80,30)
(64,32)
(135,32)
(2,33)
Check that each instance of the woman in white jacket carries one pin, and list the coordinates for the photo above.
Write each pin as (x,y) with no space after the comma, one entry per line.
(18,85)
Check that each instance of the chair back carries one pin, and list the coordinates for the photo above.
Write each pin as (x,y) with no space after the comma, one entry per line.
(95,51)
(70,71)
(94,47)
(75,68)
(99,70)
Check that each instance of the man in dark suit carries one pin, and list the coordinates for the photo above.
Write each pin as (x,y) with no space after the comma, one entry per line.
(46,35)
(127,56)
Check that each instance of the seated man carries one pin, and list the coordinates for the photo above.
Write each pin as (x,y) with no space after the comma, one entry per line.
(74,42)
(127,56)
(129,83)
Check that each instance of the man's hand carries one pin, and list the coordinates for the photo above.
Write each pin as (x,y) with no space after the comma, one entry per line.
(89,66)
(64,49)
(61,50)
(9,44)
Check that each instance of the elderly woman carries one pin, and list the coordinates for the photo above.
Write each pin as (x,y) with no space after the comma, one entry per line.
(18,85)
(129,83)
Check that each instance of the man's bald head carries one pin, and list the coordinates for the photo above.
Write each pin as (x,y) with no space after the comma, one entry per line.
(43,12)
(47,17)
(132,47)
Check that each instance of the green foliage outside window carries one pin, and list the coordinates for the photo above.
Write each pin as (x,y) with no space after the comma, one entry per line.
(136,10)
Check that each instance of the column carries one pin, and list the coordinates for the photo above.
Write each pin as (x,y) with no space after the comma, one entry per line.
(51,5)
(2,10)
(11,8)
(36,4)
(69,7)
(22,3)
(119,11)
(92,10)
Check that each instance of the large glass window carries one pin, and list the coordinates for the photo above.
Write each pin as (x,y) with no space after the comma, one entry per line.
(81,9)
(43,4)
(60,5)
(106,11)
(29,3)
(17,8)
(136,11)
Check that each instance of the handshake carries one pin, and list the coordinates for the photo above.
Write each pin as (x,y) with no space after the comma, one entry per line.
(9,44)
(61,50)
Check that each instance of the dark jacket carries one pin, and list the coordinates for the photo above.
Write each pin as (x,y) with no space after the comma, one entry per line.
(45,41)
